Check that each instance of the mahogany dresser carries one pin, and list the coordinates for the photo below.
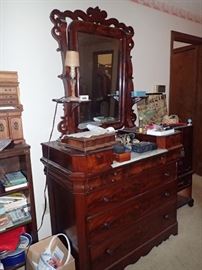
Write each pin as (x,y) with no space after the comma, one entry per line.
(113,213)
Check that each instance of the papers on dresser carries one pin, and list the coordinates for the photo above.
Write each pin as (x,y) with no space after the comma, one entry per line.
(160,132)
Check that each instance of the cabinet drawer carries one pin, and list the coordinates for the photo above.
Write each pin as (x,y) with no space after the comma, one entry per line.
(8,90)
(99,161)
(150,178)
(111,249)
(129,186)
(4,130)
(101,180)
(111,222)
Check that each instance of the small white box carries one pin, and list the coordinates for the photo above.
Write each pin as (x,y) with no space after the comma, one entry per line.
(84,97)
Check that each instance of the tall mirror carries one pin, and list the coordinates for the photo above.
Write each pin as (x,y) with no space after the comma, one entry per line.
(105,72)
(99,69)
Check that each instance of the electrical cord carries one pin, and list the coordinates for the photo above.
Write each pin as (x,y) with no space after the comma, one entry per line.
(47,171)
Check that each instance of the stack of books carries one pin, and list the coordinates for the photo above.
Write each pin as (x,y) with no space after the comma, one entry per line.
(13,180)
(14,209)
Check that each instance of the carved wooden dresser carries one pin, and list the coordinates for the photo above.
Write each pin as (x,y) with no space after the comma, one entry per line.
(113,213)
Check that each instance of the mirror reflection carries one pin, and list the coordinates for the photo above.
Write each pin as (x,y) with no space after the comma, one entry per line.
(99,69)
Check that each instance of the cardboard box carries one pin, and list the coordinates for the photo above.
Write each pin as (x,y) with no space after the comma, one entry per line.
(35,251)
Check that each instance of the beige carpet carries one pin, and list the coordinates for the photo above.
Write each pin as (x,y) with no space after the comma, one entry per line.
(184,251)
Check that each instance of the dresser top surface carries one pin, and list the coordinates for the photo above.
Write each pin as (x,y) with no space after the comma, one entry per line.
(139,156)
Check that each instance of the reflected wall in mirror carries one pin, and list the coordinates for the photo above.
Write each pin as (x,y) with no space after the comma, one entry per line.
(99,58)
(105,72)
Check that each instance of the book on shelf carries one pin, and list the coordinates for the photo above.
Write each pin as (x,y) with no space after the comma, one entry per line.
(4,143)
(10,187)
(5,222)
(159,132)
(21,214)
(16,177)
(2,209)
(16,210)
(13,201)
(13,180)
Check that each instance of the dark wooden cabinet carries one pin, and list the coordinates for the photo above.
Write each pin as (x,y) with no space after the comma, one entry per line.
(184,162)
(113,213)
(185,169)
(17,158)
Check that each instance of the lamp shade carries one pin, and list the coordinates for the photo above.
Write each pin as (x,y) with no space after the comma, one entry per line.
(72,59)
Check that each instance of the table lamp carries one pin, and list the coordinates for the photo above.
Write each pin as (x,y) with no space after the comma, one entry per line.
(72,61)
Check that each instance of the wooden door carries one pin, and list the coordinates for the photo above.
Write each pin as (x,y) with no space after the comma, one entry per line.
(185,97)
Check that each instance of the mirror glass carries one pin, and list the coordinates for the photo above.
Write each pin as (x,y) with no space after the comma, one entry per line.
(99,70)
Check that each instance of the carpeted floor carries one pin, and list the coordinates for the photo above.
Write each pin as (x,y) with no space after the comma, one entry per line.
(184,251)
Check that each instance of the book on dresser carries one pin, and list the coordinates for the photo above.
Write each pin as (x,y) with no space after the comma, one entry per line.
(13,180)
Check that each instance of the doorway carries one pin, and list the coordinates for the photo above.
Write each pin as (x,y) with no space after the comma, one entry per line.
(185,98)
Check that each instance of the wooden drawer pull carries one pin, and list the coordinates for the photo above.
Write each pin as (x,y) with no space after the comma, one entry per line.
(166,216)
(167,194)
(109,251)
(107,225)
(105,199)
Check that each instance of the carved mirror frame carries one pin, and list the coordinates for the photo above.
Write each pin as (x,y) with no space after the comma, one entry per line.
(94,19)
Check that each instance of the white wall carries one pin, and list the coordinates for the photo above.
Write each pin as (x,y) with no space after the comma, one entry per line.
(26,46)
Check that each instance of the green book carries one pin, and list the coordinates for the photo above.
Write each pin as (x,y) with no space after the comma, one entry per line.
(15,178)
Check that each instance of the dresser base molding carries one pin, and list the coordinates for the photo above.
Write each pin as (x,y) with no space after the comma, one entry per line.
(144,249)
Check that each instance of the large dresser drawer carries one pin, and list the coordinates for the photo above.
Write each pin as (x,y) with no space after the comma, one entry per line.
(105,253)
(130,185)
(112,222)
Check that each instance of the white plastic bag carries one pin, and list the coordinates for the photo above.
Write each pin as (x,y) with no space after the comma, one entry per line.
(48,261)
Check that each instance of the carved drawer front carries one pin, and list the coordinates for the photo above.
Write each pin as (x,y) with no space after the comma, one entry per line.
(174,154)
(99,161)
(128,187)
(4,130)
(108,178)
(8,90)
(112,221)
(105,198)
(106,252)
(15,124)
(149,178)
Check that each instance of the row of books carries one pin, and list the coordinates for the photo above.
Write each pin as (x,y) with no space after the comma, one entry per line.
(13,180)
(14,209)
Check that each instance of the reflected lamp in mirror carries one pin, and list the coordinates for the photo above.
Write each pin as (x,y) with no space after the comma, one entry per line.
(72,61)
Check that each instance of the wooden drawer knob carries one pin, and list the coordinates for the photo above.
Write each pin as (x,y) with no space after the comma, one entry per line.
(166,216)
(109,251)
(107,225)
(167,194)
(99,157)
(105,199)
